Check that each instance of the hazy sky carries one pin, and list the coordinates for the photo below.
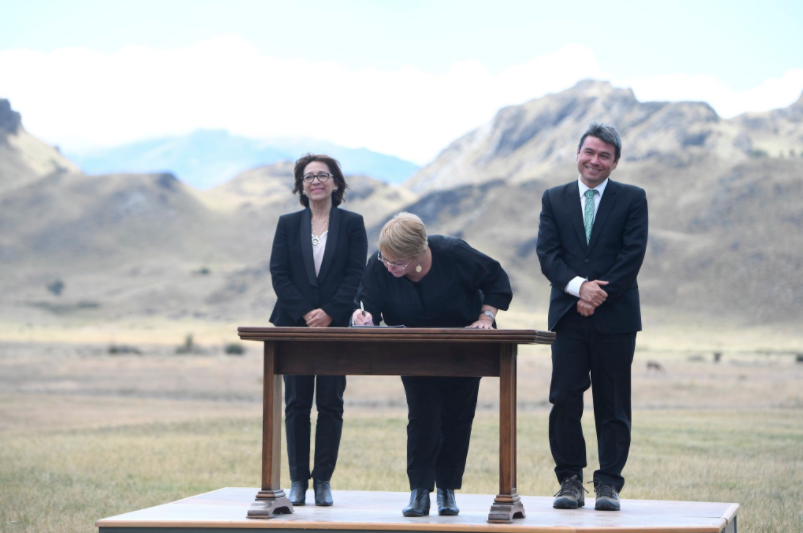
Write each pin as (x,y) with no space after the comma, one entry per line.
(404,78)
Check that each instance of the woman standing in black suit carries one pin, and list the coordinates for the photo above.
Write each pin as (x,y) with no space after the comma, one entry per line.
(433,281)
(316,265)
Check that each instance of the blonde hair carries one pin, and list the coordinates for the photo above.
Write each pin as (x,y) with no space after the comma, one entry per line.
(403,236)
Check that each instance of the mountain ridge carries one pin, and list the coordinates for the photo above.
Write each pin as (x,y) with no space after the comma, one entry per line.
(532,139)
(726,232)
(23,157)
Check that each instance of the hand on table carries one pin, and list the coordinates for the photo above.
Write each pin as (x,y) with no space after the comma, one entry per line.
(484,322)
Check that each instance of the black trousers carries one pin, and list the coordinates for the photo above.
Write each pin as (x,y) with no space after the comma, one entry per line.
(581,355)
(439,418)
(298,405)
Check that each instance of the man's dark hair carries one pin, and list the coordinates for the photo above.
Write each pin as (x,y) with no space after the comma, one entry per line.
(606,134)
(334,170)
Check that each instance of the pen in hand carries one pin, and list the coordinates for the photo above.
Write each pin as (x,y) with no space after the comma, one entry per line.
(362,308)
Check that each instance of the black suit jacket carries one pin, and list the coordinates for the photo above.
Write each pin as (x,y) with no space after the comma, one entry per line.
(614,253)
(298,289)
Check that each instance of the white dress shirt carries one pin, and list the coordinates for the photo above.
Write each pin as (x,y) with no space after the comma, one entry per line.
(317,252)
(573,287)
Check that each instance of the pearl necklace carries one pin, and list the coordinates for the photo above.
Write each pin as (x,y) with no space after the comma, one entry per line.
(316,239)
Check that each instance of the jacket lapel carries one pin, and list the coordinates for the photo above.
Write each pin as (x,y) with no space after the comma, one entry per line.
(605,207)
(575,211)
(331,241)
(306,246)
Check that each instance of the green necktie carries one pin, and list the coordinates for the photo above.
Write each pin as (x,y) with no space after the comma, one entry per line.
(588,215)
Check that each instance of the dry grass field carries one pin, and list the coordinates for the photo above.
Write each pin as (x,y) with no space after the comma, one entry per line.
(86,434)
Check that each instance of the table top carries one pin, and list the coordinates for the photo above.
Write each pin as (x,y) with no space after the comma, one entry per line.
(388,334)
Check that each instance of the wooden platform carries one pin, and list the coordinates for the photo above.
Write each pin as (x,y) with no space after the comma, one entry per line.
(224,511)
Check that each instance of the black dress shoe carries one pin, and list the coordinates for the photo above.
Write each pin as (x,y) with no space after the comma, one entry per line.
(298,493)
(446,504)
(419,504)
(323,492)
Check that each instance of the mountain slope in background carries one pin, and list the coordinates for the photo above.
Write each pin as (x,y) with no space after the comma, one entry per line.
(137,245)
(24,158)
(272,184)
(726,229)
(776,133)
(530,140)
(207,158)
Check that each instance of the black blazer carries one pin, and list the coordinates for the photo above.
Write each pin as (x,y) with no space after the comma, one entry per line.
(298,289)
(614,253)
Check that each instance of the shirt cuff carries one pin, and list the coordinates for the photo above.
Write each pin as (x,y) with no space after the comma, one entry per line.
(573,287)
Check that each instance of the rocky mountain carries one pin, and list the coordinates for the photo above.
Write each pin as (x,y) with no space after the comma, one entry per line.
(723,212)
(776,133)
(724,241)
(533,139)
(24,158)
(104,247)
(726,229)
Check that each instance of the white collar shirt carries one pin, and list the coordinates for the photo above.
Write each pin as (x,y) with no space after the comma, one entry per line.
(597,199)
(573,287)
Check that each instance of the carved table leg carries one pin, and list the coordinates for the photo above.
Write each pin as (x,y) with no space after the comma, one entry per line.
(271,500)
(507,504)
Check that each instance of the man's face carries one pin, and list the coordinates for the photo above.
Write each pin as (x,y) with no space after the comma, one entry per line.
(595,161)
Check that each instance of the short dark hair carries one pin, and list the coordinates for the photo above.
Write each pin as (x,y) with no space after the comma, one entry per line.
(604,133)
(334,170)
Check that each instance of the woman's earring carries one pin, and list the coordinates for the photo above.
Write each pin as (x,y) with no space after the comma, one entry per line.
(335,190)
(303,193)
(418,267)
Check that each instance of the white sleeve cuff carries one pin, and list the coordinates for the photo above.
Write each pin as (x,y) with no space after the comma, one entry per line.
(573,286)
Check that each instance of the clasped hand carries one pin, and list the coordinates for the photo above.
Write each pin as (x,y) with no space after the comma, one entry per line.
(317,318)
(591,296)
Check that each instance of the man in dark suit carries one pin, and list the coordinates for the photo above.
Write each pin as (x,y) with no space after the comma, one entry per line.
(592,238)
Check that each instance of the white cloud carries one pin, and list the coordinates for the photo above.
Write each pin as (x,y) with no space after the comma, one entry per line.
(772,94)
(78,98)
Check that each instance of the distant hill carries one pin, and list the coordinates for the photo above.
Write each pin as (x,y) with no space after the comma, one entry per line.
(24,158)
(272,184)
(532,139)
(131,246)
(207,158)
(726,227)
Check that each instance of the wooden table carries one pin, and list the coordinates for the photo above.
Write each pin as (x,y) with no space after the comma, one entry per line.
(389,352)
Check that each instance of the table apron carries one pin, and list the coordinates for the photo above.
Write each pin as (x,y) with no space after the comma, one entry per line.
(388,358)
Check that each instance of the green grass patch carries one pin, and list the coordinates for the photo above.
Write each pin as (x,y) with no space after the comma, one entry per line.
(64,481)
